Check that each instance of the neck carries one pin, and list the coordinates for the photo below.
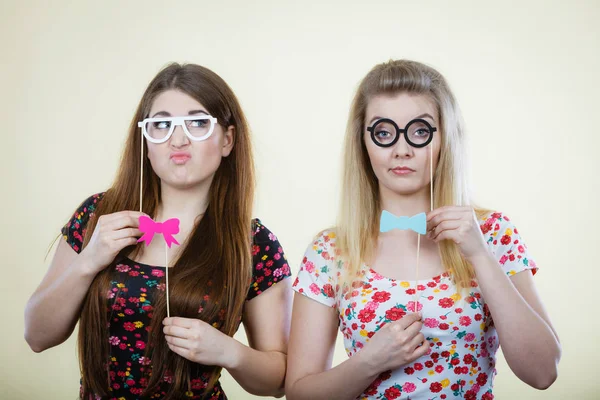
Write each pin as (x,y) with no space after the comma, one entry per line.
(186,204)
(405,204)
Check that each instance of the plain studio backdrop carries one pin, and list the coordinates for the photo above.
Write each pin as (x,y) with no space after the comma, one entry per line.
(525,74)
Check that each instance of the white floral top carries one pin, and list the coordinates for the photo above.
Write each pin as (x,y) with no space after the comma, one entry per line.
(461,363)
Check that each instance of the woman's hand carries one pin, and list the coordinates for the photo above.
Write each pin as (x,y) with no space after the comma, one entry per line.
(112,234)
(397,343)
(460,225)
(199,342)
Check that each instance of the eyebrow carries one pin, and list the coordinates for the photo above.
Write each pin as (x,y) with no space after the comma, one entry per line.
(425,115)
(167,114)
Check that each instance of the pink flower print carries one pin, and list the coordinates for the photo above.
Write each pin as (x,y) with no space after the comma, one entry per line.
(122,268)
(431,322)
(123,346)
(409,387)
(314,288)
(113,340)
(465,320)
(259,266)
(140,345)
(129,311)
(372,306)
(411,306)
(158,273)
(309,267)
(503,259)
(469,337)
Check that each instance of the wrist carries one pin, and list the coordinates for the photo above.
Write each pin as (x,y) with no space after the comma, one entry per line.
(86,266)
(233,352)
(482,258)
(371,368)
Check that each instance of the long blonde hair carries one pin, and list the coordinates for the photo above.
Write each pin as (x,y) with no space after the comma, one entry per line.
(357,226)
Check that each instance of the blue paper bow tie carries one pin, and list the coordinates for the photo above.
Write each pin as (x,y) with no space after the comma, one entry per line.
(389,221)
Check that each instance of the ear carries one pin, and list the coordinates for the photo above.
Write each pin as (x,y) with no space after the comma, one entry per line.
(228,140)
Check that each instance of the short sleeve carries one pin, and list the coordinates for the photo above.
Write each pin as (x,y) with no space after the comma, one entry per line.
(74,231)
(269,263)
(506,244)
(317,277)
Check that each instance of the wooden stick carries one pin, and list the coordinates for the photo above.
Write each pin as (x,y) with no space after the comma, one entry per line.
(167,277)
(141,170)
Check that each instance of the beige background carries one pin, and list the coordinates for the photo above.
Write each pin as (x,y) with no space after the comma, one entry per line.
(525,73)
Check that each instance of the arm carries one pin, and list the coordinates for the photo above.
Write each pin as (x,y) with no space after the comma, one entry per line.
(260,368)
(53,309)
(312,341)
(529,342)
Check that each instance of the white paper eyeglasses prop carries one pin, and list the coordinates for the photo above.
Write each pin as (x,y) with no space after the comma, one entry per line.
(196,127)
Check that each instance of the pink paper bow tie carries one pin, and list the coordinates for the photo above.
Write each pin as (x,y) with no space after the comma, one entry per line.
(168,228)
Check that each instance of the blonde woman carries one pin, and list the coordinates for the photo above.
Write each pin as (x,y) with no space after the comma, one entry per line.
(422,315)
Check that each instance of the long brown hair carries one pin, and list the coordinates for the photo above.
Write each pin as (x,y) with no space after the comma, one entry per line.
(215,260)
(357,227)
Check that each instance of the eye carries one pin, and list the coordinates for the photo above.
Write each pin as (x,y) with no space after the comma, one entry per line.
(422,132)
(198,123)
(382,133)
(161,124)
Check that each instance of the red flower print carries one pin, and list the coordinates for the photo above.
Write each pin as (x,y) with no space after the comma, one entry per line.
(468,359)
(384,376)
(392,393)
(439,369)
(443,286)
(454,387)
(482,379)
(366,316)
(269,263)
(129,326)
(371,390)
(445,354)
(409,371)
(394,314)
(444,326)
(419,366)
(465,320)
(431,284)
(140,345)
(410,291)
(487,396)
(381,297)
(429,364)
(296,281)
(255,250)
(478,317)
(505,240)
(485,228)
(328,289)
(435,387)
(455,361)
(446,302)
(470,395)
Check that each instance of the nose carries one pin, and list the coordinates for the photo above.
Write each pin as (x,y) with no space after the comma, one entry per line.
(179,139)
(402,149)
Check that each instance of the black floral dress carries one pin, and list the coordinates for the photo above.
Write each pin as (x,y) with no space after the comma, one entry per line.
(130,313)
